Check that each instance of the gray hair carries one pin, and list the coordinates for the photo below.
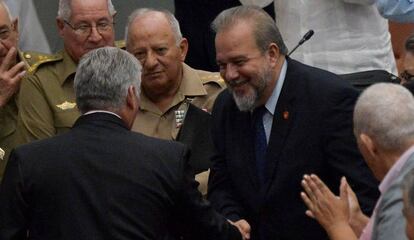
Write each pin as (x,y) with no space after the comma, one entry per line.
(265,29)
(385,112)
(409,43)
(407,186)
(173,22)
(103,77)
(65,9)
(7,9)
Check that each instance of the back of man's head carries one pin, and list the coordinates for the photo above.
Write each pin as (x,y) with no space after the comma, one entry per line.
(103,77)
(385,112)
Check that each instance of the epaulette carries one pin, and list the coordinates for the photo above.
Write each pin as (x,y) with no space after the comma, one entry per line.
(120,44)
(35,59)
(209,77)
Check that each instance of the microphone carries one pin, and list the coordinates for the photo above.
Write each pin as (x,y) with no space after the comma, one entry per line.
(305,38)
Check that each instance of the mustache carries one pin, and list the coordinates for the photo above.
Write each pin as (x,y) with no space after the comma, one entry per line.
(237,82)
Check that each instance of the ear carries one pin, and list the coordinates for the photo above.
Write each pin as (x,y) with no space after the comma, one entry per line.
(183,49)
(132,101)
(60,25)
(15,23)
(273,53)
(369,144)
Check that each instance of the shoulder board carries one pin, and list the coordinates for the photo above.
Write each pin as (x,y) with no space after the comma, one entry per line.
(211,77)
(34,59)
(120,44)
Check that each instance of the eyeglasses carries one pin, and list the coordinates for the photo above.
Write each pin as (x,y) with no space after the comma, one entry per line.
(86,29)
(6,31)
(407,76)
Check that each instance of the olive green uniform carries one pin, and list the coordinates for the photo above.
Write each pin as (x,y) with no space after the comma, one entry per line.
(47,100)
(198,87)
(8,113)
(47,105)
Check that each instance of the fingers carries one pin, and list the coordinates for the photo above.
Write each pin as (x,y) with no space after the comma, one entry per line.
(309,204)
(17,69)
(9,59)
(244,228)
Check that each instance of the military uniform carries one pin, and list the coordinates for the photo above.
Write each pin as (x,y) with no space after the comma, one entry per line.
(199,88)
(47,105)
(8,113)
(47,101)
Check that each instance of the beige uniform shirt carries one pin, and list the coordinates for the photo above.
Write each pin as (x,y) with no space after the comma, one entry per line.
(198,87)
(8,113)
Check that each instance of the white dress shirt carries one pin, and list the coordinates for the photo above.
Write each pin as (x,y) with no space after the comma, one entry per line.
(350,36)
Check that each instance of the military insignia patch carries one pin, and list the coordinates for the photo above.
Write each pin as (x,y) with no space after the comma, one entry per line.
(66,105)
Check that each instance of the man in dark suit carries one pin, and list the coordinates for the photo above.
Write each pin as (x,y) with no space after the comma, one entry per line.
(99,180)
(278,120)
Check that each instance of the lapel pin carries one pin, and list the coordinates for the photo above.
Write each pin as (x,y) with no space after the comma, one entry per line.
(285,115)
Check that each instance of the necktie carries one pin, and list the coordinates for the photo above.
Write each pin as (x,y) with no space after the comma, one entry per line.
(260,143)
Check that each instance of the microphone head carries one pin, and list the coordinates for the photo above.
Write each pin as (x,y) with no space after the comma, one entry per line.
(308,35)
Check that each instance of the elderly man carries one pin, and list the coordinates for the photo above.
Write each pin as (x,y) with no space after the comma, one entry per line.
(383,126)
(173,94)
(47,100)
(279,120)
(12,69)
(115,184)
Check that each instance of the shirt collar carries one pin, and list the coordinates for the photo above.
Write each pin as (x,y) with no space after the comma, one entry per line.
(395,170)
(102,111)
(191,86)
(272,101)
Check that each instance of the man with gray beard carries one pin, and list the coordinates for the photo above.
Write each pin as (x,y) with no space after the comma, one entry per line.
(279,120)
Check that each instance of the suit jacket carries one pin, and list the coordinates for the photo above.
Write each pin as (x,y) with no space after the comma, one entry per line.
(196,134)
(102,181)
(389,222)
(311,133)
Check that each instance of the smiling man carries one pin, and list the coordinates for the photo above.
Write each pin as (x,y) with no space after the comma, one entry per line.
(279,120)
(48,102)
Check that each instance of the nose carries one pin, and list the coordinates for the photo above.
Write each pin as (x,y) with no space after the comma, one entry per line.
(231,72)
(94,36)
(151,60)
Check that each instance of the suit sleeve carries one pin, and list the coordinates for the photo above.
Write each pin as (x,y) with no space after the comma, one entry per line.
(220,187)
(389,223)
(205,222)
(14,208)
(341,149)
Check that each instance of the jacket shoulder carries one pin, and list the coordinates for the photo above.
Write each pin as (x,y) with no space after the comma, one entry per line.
(35,59)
